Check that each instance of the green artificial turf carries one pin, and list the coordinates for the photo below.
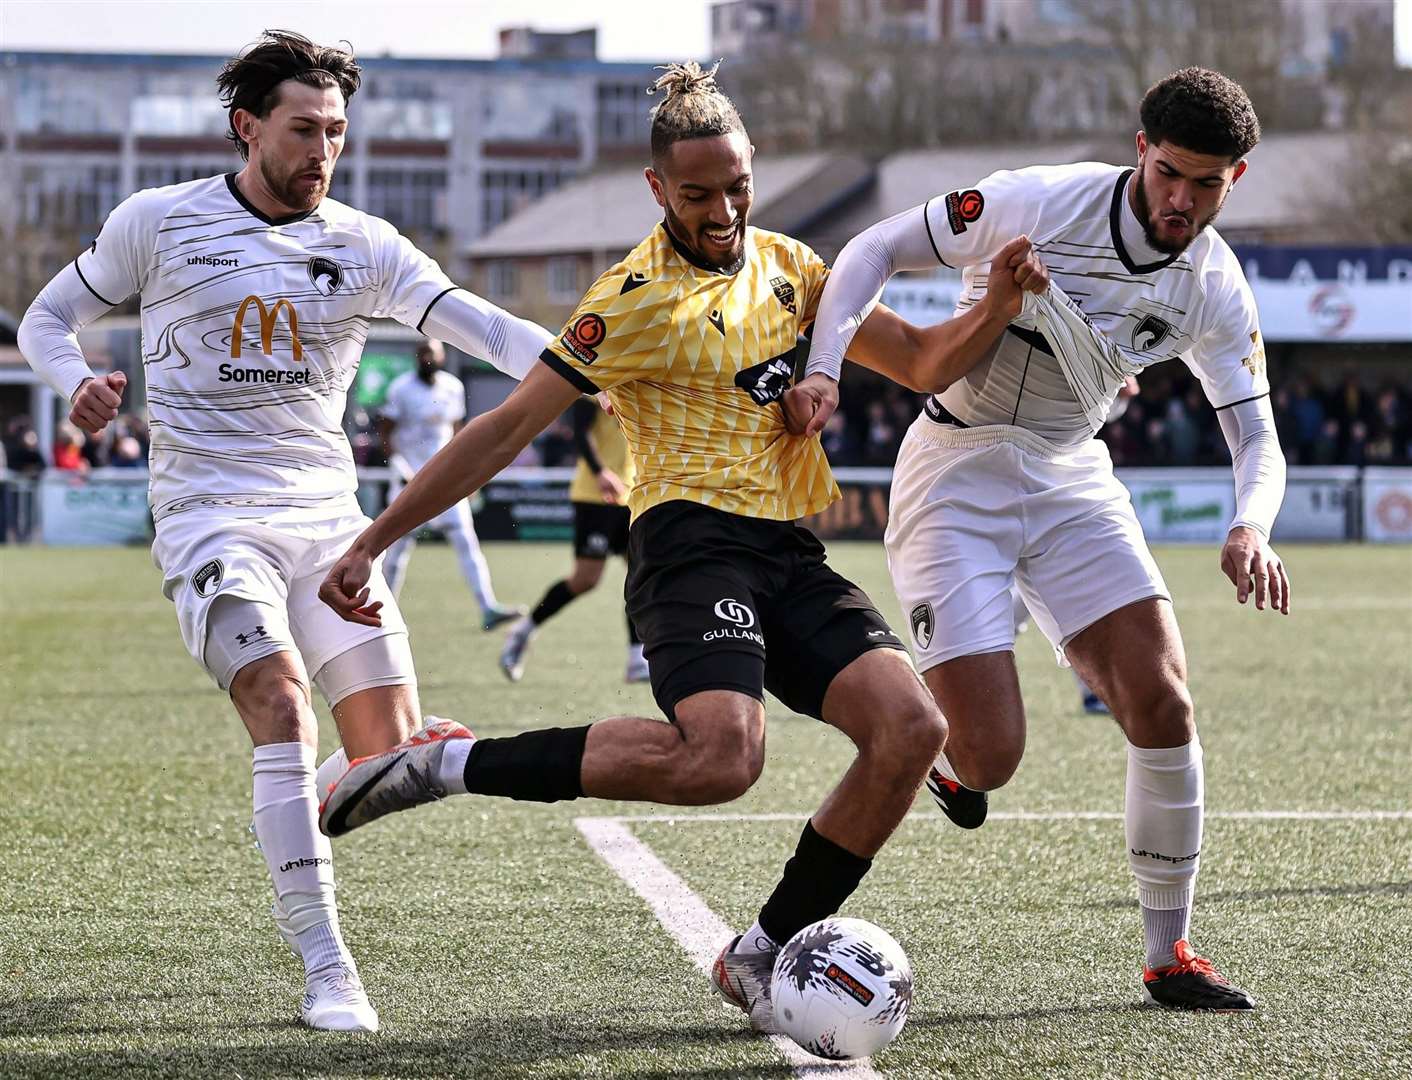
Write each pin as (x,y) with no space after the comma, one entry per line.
(134,930)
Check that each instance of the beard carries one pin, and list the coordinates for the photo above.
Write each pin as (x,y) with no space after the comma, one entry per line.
(728,264)
(282,185)
(1155,239)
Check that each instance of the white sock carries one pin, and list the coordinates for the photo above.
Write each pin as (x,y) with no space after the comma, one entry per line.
(473,565)
(299,857)
(453,765)
(755,940)
(334,766)
(1165,800)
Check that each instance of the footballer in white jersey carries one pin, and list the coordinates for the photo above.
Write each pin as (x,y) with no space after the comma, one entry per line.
(423,409)
(1000,480)
(257,293)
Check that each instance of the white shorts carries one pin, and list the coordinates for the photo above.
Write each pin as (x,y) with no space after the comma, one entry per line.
(277,564)
(974,509)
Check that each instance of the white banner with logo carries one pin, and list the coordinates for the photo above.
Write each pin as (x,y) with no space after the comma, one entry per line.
(102,508)
(1387,505)
(1334,311)
(1196,505)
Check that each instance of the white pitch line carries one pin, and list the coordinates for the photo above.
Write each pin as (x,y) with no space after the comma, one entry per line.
(1050,815)
(692,925)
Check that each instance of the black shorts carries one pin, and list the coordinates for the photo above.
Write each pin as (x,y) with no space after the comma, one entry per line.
(725,602)
(600,530)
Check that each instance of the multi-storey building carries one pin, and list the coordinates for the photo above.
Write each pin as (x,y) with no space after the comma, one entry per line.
(445,149)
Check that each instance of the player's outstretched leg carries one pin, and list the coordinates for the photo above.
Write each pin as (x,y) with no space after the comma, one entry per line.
(712,753)
(1134,658)
(877,702)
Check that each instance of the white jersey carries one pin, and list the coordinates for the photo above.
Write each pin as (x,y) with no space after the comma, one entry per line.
(1149,305)
(424,414)
(252,332)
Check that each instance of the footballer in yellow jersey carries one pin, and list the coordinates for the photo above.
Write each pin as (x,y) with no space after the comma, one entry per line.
(598,494)
(692,336)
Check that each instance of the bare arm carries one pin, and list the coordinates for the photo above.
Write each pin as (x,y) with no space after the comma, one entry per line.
(480,450)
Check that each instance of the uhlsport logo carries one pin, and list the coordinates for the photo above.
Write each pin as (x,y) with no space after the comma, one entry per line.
(208,579)
(268,318)
(741,619)
(211,260)
(325,274)
(923,624)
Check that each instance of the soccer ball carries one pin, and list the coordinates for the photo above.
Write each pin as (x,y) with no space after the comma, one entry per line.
(842,988)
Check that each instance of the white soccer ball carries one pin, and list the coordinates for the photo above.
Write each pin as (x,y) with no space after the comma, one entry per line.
(842,988)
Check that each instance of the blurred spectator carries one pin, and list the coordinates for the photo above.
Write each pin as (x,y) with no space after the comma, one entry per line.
(68,449)
(127,454)
(22,447)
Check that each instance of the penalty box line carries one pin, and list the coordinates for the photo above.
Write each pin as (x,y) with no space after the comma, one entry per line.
(695,927)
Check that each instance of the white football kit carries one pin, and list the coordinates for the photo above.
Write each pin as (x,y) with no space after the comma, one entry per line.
(252,332)
(1000,478)
(426,416)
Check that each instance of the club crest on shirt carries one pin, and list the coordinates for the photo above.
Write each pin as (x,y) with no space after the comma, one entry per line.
(1150,332)
(326,274)
(962,208)
(923,624)
(583,338)
(784,292)
(208,579)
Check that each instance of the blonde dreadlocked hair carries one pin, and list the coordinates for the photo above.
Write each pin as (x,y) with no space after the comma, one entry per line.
(694,107)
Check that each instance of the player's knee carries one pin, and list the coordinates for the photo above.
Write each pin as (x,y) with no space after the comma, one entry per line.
(912,732)
(723,765)
(275,705)
(1161,714)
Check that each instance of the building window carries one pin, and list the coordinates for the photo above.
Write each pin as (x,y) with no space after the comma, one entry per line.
(68,197)
(504,192)
(412,199)
(564,279)
(502,279)
(622,113)
(151,175)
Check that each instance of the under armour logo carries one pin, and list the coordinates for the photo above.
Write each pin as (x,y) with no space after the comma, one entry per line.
(733,611)
(255,635)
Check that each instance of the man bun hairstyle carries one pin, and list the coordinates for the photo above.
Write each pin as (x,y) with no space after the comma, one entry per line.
(693,108)
(1202,111)
(251,81)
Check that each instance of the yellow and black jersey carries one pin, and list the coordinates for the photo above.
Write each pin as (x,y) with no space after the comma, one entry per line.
(609,449)
(695,361)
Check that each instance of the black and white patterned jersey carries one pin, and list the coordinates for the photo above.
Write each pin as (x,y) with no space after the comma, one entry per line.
(252,332)
(1152,306)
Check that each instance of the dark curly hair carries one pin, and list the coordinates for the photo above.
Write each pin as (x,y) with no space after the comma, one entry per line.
(1202,111)
(251,80)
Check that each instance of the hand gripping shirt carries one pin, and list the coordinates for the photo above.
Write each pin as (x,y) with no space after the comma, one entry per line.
(695,361)
(252,332)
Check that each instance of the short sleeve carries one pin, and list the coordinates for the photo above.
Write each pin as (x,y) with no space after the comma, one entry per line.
(814,274)
(115,266)
(619,333)
(411,280)
(969,225)
(1229,356)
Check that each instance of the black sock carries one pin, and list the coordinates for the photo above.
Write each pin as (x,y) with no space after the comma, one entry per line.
(633,639)
(555,597)
(817,880)
(534,766)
